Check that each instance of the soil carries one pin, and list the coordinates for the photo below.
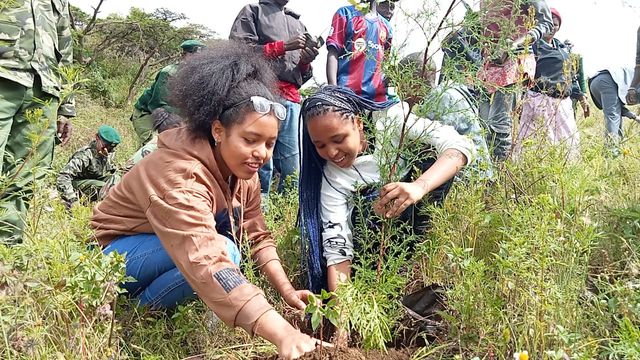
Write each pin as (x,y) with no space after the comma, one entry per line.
(420,323)
(355,354)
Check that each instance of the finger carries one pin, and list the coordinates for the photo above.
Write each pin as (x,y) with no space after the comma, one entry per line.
(384,192)
(299,304)
(388,188)
(397,210)
(399,207)
(378,209)
(304,295)
(391,195)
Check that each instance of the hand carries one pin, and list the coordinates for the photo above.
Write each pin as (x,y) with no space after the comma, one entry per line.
(584,104)
(307,55)
(291,343)
(294,345)
(398,196)
(297,298)
(519,43)
(64,129)
(632,96)
(295,43)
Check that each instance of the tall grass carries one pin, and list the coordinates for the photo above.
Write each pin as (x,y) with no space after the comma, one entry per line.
(545,259)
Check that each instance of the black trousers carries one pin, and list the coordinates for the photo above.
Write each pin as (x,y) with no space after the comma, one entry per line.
(413,220)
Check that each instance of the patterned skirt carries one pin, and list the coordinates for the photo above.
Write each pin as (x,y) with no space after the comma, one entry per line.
(542,114)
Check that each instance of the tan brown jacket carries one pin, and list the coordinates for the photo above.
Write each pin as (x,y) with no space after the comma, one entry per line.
(176,193)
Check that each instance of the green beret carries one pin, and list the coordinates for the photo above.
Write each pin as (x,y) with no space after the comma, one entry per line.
(109,134)
(191,45)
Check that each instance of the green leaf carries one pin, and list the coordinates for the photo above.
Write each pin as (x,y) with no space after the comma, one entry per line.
(324,294)
(332,303)
(315,320)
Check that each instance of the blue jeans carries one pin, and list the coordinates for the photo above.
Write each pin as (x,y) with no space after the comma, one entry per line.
(285,154)
(159,283)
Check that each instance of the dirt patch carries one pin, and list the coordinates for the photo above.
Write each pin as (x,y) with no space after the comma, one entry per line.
(356,354)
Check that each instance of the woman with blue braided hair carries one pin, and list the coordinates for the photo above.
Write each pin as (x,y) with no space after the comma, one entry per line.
(340,153)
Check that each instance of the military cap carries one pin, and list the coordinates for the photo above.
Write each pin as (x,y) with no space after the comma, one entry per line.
(191,45)
(109,134)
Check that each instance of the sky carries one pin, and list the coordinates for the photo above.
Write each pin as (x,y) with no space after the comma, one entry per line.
(603,31)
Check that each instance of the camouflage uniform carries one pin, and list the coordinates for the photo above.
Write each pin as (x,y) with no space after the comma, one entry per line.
(152,98)
(87,173)
(145,150)
(29,84)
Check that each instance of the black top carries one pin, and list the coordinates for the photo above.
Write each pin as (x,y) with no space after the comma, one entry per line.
(267,22)
(554,73)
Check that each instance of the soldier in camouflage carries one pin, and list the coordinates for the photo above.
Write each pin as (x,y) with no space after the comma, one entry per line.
(90,169)
(155,96)
(30,101)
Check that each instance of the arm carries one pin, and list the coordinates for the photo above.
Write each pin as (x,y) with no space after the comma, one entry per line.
(337,236)
(336,44)
(185,225)
(454,152)
(438,135)
(636,76)
(578,83)
(582,80)
(244,26)
(245,29)
(332,66)
(74,168)
(544,22)
(397,196)
(632,92)
(65,47)
(264,249)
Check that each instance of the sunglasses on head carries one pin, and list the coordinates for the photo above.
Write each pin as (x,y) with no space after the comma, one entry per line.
(262,106)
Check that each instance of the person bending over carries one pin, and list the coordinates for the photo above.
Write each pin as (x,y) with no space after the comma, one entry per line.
(180,215)
(337,158)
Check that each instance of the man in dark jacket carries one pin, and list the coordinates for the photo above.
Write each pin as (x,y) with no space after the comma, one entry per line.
(279,34)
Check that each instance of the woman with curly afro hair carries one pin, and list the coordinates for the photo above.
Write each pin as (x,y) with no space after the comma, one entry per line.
(181,214)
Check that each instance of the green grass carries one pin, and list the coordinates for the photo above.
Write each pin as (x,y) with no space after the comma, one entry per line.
(546,259)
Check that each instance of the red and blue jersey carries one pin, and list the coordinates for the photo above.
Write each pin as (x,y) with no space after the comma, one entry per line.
(361,42)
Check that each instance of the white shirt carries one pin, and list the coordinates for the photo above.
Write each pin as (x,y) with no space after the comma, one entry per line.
(339,184)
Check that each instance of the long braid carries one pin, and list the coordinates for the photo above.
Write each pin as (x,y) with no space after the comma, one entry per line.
(328,99)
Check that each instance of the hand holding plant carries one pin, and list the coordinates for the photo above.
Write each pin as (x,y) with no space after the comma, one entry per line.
(398,196)
(298,298)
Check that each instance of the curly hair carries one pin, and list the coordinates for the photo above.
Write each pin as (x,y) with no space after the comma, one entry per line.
(210,82)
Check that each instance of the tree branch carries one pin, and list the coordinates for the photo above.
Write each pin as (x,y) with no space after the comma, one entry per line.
(92,22)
